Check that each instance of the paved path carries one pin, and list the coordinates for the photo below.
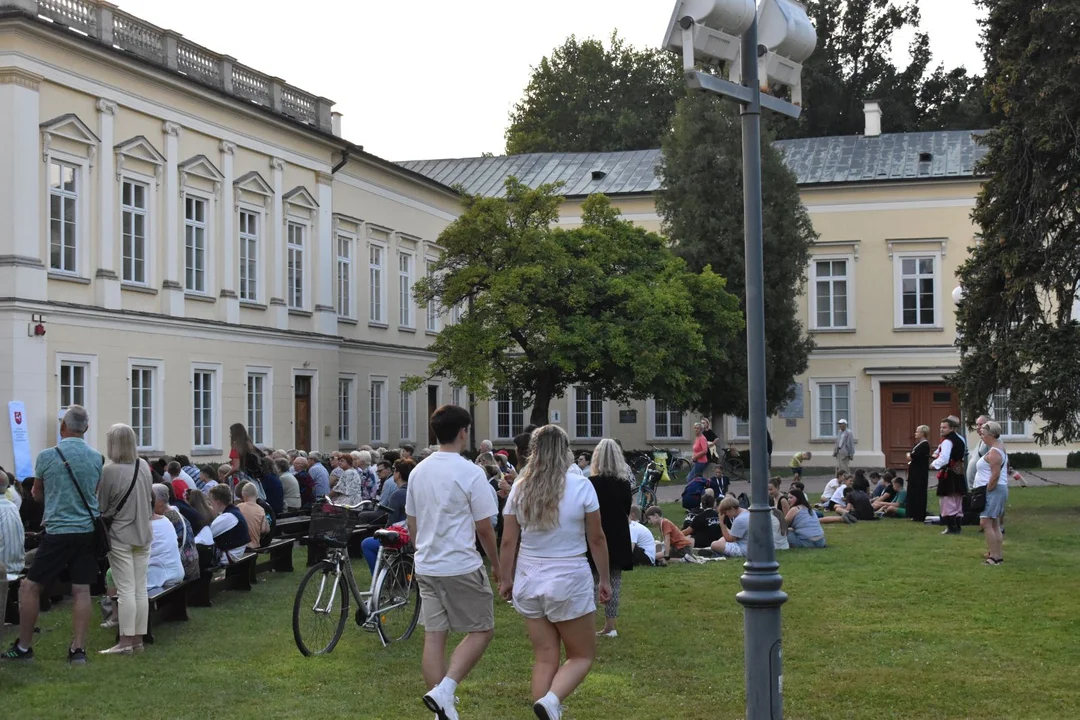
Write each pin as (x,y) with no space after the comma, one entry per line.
(816,483)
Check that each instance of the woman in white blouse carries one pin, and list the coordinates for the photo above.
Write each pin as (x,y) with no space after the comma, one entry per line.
(556,515)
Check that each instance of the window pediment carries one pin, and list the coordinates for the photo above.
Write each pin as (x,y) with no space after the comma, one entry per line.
(68,127)
(300,202)
(252,187)
(200,168)
(138,149)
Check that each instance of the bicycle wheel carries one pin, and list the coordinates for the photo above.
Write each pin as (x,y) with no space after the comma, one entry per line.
(320,610)
(648,496)
(397,601)
(734,469)
(638,463)
(678,470)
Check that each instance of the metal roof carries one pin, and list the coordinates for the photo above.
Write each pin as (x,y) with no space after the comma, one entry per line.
(815,161)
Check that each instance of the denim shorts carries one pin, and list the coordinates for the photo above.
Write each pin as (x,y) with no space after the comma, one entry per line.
(995,502)
(797,542)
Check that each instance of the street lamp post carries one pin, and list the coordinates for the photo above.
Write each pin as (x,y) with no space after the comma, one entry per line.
(708,31)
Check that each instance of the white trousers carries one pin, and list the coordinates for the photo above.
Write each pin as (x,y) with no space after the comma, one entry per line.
(129,563)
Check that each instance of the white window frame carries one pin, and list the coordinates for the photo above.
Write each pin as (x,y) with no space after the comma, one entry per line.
(898,288)
(815,399)
(214,448)
(208,240)
(650,419)
(731,429)
(457,396)
(377,290)
(150,192)
(406,311)
(345,275)
(350,408)
(81,165)
(406,413)
(90,376)
(1027,427)
(456,313)
(267,374)
(383,415)
(849,278)
(290,275)
(243,238)
(493,411)
(433,318)
(571,412)
(157,401)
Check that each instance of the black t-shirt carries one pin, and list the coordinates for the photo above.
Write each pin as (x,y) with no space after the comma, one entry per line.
(710,436)
(860,504)
(706,526)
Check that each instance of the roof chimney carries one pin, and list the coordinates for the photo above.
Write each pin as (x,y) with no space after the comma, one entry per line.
(872,112)
(335,123)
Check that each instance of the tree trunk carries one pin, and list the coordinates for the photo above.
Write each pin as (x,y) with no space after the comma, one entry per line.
(541,404)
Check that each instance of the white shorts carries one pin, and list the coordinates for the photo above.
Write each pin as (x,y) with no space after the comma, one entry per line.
(735,549)
(558,589)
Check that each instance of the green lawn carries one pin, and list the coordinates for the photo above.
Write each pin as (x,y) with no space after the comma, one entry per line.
(892,621)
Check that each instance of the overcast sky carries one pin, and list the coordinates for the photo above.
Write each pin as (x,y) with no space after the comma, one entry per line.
(425,79)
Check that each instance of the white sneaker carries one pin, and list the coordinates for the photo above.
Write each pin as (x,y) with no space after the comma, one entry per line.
(547,709)
(612,634)
(441,703)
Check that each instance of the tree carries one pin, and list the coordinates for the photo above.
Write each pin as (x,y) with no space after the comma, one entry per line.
(588,98)
(852,64)
(606,306)
(701,204)
(1018,334)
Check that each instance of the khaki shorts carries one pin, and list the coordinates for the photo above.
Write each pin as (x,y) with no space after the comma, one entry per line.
(462,603)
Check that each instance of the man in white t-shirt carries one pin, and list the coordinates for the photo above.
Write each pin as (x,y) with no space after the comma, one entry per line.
(448,507)
(642,541)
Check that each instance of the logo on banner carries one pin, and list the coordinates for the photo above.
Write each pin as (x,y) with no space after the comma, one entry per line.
(18,418)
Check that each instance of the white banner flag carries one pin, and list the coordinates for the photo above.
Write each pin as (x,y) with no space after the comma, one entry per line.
(20,440)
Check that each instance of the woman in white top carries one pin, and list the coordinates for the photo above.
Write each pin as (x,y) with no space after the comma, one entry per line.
(165,568)
(991,472)
(556,515)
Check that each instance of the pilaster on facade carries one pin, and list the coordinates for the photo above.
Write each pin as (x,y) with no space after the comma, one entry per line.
(325,312)
(279,312)
(106,280)
(228,235)
(172,290)
(22,270)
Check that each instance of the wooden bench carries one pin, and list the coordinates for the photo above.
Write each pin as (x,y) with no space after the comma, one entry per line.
(278,557)
(234,576)
(166,605)
(55,590)
(296,526)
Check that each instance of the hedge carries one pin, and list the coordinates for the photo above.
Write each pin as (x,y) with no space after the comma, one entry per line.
(1025,460)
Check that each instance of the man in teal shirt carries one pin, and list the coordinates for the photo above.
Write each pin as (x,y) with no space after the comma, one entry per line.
(68,542)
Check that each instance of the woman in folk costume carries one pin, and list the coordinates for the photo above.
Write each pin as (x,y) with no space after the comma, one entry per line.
(918,474)
(950,473)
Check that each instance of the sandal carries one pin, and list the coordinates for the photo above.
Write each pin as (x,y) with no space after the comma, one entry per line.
(992,561)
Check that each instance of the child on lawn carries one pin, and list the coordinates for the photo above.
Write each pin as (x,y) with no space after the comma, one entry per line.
(676,545)
(796,463)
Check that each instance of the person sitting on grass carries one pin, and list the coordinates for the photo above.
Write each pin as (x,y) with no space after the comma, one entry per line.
(705,527)
(880,485)
(895,505)
(733,542)
(838,494)
(776,498)
(641,540)
(797,463)
(804,528)
(842,511)
(676,545)
(831,489)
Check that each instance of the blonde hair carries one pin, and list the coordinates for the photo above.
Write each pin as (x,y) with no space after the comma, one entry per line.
(729,503)
(608,459)
(925,430)
(120,444)
(992,428)
(542,484)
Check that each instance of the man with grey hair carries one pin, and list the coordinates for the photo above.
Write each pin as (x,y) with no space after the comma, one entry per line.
(67,477)
(486,446)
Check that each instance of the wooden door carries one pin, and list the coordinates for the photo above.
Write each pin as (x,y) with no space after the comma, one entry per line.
(904,406)
(302,386)
(432,406)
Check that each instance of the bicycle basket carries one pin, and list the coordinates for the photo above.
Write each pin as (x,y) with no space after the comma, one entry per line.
(333,522)
(660,456)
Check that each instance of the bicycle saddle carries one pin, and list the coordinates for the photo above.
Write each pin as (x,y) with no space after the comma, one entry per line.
(387,537)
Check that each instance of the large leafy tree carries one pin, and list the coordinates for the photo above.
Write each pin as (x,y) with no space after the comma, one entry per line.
(606,306)
(702,207)
(852,63)
(1016,323)
(587,97)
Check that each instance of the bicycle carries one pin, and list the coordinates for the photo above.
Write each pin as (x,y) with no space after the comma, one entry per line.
(732,466)
(390,607)
(644,491)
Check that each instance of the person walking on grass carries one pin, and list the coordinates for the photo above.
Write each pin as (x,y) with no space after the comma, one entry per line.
(611,481)
(556,516)
(448,506)
(67,478)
